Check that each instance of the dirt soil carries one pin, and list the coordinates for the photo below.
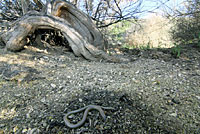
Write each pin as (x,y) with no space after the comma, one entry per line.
(153,93)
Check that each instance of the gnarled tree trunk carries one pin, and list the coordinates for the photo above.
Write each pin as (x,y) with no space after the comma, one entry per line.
(83,36)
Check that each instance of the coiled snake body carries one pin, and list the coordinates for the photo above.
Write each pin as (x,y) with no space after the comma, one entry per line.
(87,109)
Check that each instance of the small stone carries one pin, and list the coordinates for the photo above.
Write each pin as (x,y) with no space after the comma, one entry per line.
(176,101)
(71,116)
(24,130)
(45,57)
(169,101)
(198,97)
(28,115)
(44,124)
(108,117)
(61,87)
(53,85)
(81,100)
(112,94)
(41,62)
(137,72)
(126,130)
(18,95)
(173,114)
(43,100)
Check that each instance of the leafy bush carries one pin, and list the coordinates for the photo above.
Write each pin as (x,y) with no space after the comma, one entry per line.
(187,25)
(118,31)
(186,30)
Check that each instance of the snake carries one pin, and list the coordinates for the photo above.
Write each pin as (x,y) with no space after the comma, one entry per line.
(87,109)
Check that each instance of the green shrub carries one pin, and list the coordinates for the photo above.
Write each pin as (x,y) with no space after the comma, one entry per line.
(118,31)
(187,25)
(186,31)
(176,50)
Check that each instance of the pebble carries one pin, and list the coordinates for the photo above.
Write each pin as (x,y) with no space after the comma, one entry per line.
(81,100)
(44,124)
(28,115)
(112,94)
(198,97)
(24,130)
(176,100)
(173,114)
(71,116)
(53,85)
(43,100)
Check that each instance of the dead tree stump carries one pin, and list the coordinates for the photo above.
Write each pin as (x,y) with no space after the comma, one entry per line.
(77,27)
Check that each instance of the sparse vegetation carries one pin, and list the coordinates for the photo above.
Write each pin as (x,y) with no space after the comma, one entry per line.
(117,32)
(176,50)
(145,34)
(153,33)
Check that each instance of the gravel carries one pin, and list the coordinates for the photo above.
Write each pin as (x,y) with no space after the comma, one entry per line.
(154,93)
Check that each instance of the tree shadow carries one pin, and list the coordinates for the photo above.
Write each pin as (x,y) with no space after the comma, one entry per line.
(131,114)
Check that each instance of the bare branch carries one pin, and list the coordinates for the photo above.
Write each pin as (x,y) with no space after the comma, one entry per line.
(25,4)
(39,3)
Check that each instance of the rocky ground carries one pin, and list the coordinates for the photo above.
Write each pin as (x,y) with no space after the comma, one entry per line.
(153,93)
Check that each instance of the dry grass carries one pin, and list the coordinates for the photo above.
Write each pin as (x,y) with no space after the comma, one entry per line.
(154,32)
